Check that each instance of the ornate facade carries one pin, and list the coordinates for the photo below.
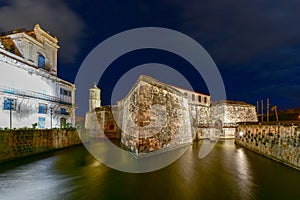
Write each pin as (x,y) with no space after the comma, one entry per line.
(30,91)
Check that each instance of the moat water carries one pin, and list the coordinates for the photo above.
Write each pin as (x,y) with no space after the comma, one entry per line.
(228,172)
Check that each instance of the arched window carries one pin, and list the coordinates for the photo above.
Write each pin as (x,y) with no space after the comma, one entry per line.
(41,61)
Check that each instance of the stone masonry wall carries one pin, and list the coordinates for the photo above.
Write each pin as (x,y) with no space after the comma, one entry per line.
(20,143)
(280,142)
(232,112)
(155,117)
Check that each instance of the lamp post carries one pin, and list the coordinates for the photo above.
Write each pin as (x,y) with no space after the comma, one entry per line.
(11,103)
(51,113)
(10,118)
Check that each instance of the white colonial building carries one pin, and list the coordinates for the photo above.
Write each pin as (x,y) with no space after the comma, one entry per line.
(30,91)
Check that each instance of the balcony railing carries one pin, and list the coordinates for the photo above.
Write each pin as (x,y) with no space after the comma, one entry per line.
(31,94)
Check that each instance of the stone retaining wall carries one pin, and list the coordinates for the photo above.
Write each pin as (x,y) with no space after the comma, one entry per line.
(20,143)
(280,142)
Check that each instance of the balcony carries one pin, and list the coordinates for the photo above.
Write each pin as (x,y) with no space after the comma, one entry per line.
(31,94)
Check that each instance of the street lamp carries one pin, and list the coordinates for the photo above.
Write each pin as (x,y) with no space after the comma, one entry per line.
(11,103)
(10,118)
(51,113)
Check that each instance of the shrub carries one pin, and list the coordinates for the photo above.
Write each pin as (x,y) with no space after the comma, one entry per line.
(34,125)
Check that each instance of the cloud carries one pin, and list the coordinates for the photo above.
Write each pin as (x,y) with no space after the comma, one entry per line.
(53,16)
(238,31)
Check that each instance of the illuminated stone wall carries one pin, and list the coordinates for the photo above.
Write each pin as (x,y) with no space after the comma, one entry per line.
(102,120)
(280,142)
(230,113)
(200,115)
(234,111)
(151,116)
(20,143)
(155,117)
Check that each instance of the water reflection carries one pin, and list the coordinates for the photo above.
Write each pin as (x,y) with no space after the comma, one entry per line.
(228,172)
(243,173)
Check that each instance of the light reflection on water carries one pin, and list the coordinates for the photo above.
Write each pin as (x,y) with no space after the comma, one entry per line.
(243,175)
(228,172)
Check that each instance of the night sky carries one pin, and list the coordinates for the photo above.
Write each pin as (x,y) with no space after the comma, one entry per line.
(255,44)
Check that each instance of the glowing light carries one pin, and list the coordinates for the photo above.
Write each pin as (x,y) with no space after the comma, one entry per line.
(241,134)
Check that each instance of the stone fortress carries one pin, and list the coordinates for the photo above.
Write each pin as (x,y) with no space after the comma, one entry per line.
(155,116)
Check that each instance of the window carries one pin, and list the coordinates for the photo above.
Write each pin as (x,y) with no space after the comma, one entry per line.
(65,92)
(42,108)
(193,97)
(41,61)
(10,104)
(199,98)
(63,111)
(65,95)
(185,94)
(205,99)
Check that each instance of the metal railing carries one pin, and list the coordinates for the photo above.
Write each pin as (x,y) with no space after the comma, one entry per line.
(31,94)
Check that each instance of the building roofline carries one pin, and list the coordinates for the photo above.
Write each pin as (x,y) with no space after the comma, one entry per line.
(35,33)
(37,29)
(149,79)
(26,62)
(187,90)
(233,102)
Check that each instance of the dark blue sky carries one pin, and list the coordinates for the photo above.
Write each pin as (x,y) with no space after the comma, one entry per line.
(255,44)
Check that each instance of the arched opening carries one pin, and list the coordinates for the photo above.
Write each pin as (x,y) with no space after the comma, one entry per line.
(218,128)
(218,124)
(63,122)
